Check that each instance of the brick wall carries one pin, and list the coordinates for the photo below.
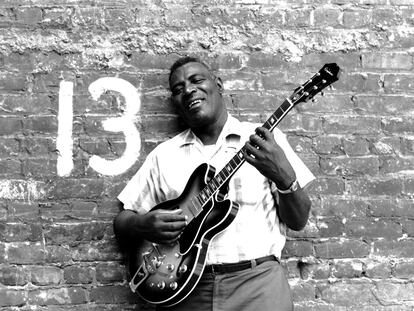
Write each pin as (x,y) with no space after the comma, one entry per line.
(62,164)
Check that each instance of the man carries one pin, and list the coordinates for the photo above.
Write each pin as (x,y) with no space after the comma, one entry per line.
(242,271)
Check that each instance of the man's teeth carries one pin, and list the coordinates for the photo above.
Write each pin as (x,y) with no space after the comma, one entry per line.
(194,102)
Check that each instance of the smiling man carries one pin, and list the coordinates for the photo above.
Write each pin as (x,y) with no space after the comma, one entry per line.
(243,270)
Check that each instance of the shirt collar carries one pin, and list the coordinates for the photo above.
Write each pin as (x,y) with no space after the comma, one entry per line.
(231,129)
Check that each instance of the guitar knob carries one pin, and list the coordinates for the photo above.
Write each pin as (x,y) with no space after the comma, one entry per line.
(183,269)
(170,267)
(161,285)
(173,285)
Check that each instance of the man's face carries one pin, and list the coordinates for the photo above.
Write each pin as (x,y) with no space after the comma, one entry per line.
(196,94)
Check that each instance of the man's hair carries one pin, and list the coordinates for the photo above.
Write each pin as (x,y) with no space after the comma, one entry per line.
(185,60)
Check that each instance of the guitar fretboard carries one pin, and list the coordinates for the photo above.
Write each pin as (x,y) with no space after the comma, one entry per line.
(234,164)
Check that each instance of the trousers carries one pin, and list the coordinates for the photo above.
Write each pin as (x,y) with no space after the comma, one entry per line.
(260,288)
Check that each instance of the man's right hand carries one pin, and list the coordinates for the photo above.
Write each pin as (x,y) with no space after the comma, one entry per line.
(162,226)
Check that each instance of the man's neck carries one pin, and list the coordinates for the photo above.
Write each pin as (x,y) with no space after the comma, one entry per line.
(209,134)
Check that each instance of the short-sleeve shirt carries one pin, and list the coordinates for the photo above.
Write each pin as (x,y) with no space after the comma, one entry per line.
(257,230)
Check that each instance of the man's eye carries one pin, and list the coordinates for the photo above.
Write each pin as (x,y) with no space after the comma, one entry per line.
(177,91)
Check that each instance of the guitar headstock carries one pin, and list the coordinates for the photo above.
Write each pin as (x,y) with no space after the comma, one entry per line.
(322,79)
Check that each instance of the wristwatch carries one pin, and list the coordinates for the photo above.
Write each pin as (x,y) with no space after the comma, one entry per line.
(293,187)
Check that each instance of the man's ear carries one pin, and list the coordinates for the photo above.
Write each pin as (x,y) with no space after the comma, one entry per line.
(219,84)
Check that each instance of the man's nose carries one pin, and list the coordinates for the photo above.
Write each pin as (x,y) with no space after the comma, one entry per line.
(189,88)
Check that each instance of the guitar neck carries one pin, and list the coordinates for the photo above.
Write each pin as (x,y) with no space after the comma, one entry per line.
(235,163)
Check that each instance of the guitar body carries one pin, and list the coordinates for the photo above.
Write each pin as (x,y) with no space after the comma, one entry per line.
(164,274)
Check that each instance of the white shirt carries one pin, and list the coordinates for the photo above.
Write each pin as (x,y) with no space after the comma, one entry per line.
(256,231)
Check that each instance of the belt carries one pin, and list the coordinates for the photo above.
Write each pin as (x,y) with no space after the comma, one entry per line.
(222,268)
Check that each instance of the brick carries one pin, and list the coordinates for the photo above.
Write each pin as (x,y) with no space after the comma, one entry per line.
(328,145)
(73,233)
(107,147)
(83,210)
(296,248)
(24,105)
(77,188)
(2,252)
(356,146)
(408,185)
(10,297)
(356,18)
(298,18)
(107,273)
(39,167)
(393,61)
(23,211)
(325,17)
(366,83)
(390,292)
(387,17)
(377,269)
(109,209)
(351,125)
(349,61)
(396,249)
(328,103)
(394,105)
(390,207)
(398,83)
(10,82)
(303,292)
(316,270)
(20,232)
(339,293)
(398,125)
(407,146)
(301,123)
(112,294)
(404,270)
(348,269)
(105,250)
(371,229)
(58,254)
(327,186)
(367,187)
(330,227)
(58,296)
(53,210)
(9,147)
(29,16)
(345,207)
(342,249)
(10,167)
(25,253)
(41,124)
(45,275)
(347,166)
(386,146)
(13,276)
(408,227)
(10,125)
(78,274)
(395,164)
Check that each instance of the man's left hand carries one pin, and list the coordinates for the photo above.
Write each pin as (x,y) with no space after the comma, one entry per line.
(268,158)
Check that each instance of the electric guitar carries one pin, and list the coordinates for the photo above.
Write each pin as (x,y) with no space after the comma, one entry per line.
(165,274)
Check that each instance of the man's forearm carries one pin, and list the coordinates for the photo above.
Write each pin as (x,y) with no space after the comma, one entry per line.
(125,227)
(294,209)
